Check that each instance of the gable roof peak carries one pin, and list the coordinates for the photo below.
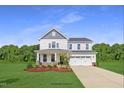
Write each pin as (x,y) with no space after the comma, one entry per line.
(54,29)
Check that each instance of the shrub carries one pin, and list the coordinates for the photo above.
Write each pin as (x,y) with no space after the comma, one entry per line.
(25,69)
(49,66)
(43,66)
(36,66)
(55,66)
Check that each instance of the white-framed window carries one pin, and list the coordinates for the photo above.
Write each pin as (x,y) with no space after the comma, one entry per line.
(57,45)
(49,45)
(53,44)
(44,58)
(53,33)
(87,46)
(88,56)
(70,46)
(78,46)
(52,57)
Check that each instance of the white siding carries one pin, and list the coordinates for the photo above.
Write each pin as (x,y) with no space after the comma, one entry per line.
(44,43)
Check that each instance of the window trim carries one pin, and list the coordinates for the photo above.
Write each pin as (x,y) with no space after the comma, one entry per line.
(53,44)
(57,45)
(44,57)
(70,46)
(87,46)
(49,45)
(52,57)
(78,46)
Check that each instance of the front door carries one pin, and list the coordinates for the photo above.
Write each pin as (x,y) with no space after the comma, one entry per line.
(52,57)
(61,60)
(44,58)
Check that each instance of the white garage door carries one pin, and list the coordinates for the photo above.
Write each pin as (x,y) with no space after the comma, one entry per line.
(79,60)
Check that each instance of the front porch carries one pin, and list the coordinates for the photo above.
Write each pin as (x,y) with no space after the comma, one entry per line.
(49,56)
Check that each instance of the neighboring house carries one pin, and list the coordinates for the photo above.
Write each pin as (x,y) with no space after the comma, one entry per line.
(54,43)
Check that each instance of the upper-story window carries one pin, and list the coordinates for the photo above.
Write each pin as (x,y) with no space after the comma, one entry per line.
(49,45)
(87,46)
(53,44)
(78,46)
(57,45)
(53,33)
(70,46)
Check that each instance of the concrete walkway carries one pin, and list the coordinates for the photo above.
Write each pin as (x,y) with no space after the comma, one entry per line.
(93,77)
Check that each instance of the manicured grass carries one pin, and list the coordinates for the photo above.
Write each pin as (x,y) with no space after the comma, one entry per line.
(14,76)
(115,66)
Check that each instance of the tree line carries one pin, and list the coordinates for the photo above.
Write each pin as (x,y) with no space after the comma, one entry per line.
(105,52)
(14,54)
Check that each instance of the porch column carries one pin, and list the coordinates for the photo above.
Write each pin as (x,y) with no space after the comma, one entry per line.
(37,60)
(55,57)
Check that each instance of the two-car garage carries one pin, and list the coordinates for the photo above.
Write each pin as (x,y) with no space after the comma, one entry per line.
(82,59)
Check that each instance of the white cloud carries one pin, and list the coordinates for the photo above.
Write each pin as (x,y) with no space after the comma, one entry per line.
(72,17)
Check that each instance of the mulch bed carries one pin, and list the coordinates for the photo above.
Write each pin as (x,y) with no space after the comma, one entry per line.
(41,69)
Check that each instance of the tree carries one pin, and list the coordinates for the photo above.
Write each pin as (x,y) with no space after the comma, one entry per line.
(116,51)
(122,52)
(9,53)
(103,51)
(65,58)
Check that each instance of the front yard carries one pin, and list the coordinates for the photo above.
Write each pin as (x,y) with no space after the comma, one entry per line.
(14,76)
(117,66)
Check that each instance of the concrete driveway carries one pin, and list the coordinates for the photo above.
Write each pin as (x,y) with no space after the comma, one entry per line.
(93,77)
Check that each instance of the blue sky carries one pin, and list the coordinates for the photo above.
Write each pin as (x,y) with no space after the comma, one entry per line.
(22,25)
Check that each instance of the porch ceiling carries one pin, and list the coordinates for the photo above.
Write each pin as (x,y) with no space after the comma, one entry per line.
(52,51)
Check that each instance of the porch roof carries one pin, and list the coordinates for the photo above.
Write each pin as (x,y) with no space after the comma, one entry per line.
(52,51)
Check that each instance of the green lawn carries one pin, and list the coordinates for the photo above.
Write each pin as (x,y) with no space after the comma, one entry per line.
(117,67)
(14,76)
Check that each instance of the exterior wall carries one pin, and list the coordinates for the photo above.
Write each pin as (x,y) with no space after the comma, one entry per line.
(44,43)
(82,46)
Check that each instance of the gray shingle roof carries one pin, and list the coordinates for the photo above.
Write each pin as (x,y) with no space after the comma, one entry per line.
(79,39)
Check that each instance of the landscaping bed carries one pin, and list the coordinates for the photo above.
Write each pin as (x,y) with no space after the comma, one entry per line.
(48,69)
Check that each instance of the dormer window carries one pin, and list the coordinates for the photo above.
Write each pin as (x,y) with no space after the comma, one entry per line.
(87,46)
(53,33)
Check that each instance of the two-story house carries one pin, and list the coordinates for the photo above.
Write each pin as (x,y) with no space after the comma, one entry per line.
(54,43)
